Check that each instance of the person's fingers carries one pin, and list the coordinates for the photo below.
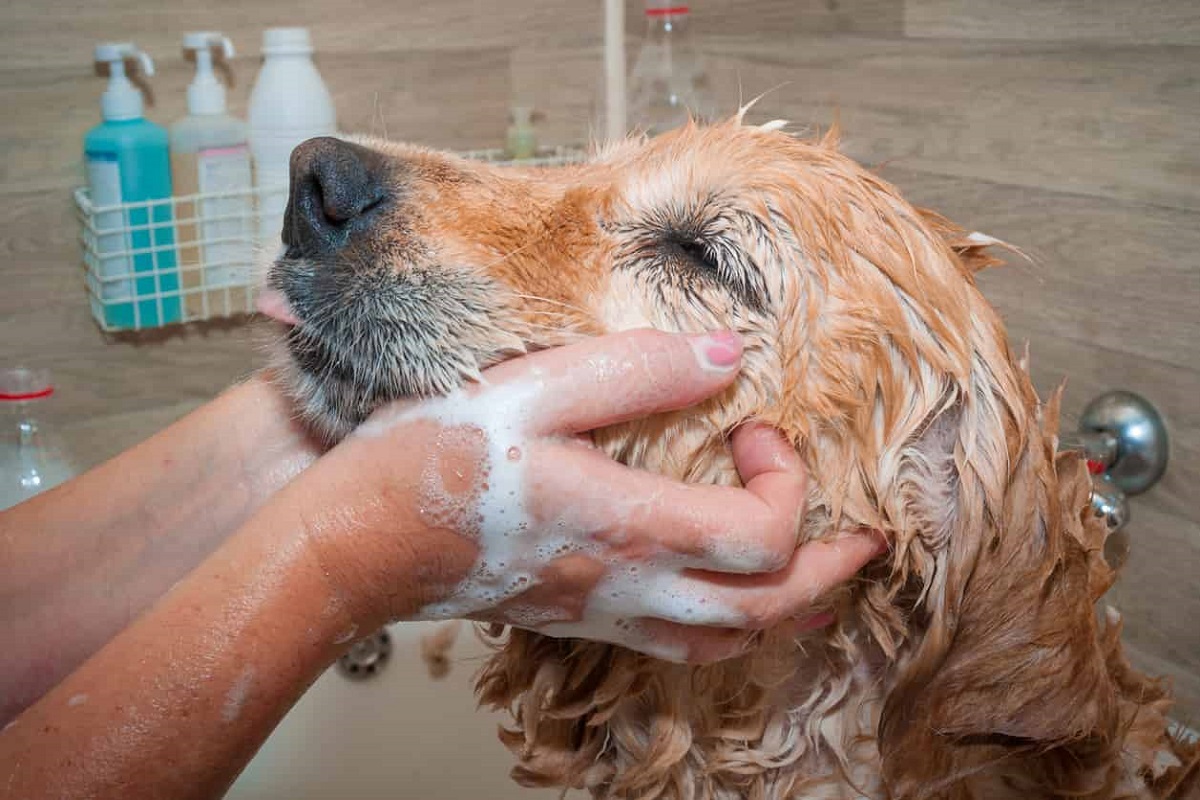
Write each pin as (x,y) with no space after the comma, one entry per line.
(700,645)
(637,515)
(691,644)
(671,641)
(663,640)
(621,377)
(772,471)
(815,569)
(759,449)
(755,602)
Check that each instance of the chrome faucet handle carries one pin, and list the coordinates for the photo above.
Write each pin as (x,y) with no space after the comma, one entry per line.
(1130,437)
(1125,442)
(1109,503)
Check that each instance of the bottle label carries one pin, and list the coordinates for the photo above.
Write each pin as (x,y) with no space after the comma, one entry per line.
(215,224)
(226,223)
(112,245)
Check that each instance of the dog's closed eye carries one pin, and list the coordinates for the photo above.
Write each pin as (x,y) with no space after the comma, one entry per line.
(694,250)
(691,252)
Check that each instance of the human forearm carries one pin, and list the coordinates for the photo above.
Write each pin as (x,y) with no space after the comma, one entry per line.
(178,702)
(88,557)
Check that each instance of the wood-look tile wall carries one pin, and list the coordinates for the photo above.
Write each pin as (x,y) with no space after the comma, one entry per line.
(1069,127)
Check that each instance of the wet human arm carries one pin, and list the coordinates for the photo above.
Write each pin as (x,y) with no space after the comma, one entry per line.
(84,559)
(177,702)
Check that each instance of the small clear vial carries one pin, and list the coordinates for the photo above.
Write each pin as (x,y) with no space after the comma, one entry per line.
(32,459)
(521,139)
(669,83)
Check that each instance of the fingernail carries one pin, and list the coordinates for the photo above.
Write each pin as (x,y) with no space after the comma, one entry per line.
(719,352)
(882,545)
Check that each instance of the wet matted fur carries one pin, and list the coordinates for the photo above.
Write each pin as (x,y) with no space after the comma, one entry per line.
(969,663)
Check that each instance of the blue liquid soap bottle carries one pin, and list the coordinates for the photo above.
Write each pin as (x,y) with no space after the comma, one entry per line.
(135,281)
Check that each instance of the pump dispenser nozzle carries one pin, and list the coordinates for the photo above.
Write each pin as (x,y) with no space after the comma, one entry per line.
(206,94)
(122,100)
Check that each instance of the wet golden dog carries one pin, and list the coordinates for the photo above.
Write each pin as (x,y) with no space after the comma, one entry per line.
(969,663)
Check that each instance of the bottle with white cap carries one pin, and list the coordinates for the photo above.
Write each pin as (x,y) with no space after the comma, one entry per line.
(210,157)
(135,282)
(288,105)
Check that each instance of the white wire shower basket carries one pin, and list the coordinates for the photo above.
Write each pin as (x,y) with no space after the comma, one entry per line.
(194,257)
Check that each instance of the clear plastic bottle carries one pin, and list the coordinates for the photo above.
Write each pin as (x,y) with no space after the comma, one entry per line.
(668,83)
(32,459)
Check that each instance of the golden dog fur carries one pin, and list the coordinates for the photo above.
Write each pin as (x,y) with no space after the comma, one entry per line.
(969,664)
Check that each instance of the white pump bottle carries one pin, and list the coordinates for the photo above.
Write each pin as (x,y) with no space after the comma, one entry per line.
(289,104)
(210,158)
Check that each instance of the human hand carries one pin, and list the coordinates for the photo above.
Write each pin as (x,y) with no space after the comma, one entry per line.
(492,504)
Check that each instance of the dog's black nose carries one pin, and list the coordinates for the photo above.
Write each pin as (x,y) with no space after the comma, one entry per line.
(335,187)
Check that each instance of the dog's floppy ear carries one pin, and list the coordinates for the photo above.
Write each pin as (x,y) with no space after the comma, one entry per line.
(1009,663)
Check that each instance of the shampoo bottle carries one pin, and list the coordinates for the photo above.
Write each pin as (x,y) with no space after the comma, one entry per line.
(129,182)
(210,158)
(289,104)
(521,140)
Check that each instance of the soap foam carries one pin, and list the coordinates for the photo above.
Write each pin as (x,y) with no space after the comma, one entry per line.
(493,513)
(735,554)
(600,627)
(235,698)
(515,547)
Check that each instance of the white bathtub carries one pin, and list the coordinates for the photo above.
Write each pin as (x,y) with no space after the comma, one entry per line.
(399,735)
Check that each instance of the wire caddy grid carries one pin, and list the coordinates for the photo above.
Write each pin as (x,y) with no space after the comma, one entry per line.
(197,257)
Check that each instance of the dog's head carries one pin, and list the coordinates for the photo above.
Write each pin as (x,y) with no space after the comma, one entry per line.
(867,342)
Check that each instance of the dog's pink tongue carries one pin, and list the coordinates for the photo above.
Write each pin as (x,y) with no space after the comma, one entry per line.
(273,304)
